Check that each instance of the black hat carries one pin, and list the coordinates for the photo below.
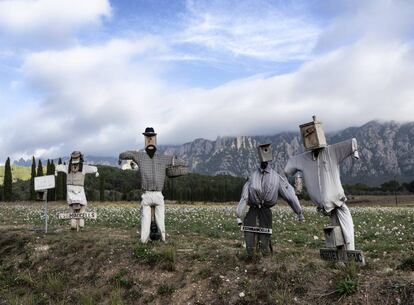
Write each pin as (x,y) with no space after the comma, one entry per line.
(76,157)
(149,131)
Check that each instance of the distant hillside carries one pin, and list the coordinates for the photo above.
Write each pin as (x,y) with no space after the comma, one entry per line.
(18,172)
(386,151)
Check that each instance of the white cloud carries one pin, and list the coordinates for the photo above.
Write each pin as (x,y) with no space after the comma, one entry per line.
(245,28)
(49,20)
(100,98)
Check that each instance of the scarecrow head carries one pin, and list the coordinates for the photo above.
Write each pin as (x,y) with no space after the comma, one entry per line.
(76,162)
(150,141)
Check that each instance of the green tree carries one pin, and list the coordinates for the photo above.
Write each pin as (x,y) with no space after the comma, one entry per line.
(101,188)
(50,170)
(64,184)
(8,182)
(33,175)
(39,169)
(59,183)
(391,186)
(409,186)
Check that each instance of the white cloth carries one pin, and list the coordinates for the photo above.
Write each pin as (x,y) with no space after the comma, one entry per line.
(342,216)
(321,174)
(323,183)
(152,199)
(76,193)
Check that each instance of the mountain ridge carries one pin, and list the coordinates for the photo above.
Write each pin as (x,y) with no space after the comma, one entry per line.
(385,152)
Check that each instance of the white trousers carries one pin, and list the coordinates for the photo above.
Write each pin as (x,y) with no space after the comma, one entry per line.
(74,222)
(152,199)
(342,216)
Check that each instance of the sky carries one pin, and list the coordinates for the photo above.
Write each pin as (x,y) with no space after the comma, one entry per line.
(91,75)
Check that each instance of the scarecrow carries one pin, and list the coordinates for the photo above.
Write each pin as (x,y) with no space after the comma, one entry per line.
(320,167)
(153,168)
(75,179)
(260,193)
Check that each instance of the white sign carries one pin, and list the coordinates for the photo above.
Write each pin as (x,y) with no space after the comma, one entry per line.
(44,183)
(88,215)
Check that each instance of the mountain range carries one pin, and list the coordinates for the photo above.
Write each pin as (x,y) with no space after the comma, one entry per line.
(385,148)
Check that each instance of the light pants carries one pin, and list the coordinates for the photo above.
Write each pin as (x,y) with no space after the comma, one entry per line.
(152,199)
(73,222)
(342,216)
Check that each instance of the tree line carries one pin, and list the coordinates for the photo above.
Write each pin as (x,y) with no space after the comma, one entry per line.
(114,184)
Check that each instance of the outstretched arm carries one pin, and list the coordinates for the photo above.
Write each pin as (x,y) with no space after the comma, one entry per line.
(287,192)
(345,149)
(241,207)
(61,168)
(129,155)
(89,169)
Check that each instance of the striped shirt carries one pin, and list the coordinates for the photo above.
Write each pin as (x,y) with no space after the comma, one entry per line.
(262,190)
(152,170)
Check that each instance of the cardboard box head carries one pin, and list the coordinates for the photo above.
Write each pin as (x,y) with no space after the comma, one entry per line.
(313,135)
(265,152)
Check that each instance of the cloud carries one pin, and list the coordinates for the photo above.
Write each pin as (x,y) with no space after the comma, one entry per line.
(256,30)
(48,22)
(99,98)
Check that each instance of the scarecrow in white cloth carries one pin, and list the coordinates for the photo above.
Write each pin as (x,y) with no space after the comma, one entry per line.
(320,167)
(260,193)
(153,168)
(75,179)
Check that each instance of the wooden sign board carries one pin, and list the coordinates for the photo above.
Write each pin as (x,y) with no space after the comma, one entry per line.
(44,182)
(335,255)
(86,215)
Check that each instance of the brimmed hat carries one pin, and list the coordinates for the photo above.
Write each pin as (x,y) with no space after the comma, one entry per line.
(149,131)
(76,157)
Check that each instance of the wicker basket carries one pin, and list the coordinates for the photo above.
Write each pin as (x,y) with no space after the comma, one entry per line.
(176,171)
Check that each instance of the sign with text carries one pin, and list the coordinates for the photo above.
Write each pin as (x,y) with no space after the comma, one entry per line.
(86,215)
(335,255)
(44,182)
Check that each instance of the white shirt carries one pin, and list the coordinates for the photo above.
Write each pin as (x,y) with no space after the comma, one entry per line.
(322,174)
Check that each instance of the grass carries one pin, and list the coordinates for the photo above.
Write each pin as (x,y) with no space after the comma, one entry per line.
(203,261)
(18,173)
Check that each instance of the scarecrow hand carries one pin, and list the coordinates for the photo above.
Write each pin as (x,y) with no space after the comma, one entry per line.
(97,174)
(301,218)
(239,221)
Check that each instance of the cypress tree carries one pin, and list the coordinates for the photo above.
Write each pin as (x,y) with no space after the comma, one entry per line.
(39,169)
(32,176)
(59,183)
(51,194)
(64,185)
(8,181)
(101,188)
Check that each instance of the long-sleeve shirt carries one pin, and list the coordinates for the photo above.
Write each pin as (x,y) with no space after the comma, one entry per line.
(76,191)
(262,189)
(322,174)
(151,170)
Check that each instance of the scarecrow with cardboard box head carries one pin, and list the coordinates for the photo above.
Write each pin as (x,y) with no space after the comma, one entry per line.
(75,179)
(153,167)
(260,193)
(320,166)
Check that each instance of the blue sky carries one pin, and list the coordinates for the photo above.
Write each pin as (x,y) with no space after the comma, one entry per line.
(91,75)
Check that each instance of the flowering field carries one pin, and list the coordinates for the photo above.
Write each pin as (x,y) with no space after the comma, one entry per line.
(204,261)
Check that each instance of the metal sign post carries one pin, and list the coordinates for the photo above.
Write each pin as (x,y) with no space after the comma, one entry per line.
(41,185)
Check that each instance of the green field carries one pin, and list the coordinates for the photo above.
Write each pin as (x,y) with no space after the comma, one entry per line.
(204,260)
(18,172)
